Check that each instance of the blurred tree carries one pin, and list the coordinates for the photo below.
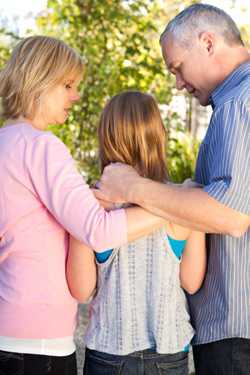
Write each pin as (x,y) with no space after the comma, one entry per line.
(7,40)
(245,31)
(182,154)
(4,48)
(118,40)
(115,39)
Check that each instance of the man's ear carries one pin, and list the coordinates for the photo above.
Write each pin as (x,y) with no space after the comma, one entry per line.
(207,41)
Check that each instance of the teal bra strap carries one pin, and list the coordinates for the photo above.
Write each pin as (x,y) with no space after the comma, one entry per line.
(177,246)
(103,256)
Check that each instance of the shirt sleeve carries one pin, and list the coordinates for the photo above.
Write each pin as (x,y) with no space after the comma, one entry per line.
(62,189)
(230,177)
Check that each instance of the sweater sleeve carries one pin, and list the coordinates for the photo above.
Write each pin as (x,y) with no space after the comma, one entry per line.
(62,189)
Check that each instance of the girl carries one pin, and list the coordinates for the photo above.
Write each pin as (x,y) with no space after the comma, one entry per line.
(139,321)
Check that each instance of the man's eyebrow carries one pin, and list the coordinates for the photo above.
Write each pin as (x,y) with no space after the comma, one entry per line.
(173,65)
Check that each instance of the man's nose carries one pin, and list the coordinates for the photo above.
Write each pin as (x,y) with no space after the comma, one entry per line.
(180,83)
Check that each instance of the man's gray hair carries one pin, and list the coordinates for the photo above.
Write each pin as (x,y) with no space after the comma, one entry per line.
(198,18)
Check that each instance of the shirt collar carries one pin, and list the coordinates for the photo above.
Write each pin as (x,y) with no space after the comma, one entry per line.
(230,82)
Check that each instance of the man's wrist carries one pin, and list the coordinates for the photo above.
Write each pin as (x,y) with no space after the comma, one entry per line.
(135,192)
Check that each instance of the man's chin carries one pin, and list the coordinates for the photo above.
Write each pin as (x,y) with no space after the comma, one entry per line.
(203,101)
(204,104)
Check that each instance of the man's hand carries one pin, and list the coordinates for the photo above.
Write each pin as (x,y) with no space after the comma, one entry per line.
(108,206)
(116,183)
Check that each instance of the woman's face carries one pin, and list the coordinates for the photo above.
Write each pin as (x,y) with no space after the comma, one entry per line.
(56,103)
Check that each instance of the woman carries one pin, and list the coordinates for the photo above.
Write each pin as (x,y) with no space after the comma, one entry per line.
(42,198)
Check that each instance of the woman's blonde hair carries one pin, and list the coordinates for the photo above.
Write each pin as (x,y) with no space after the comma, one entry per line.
(36,65)
(131,131)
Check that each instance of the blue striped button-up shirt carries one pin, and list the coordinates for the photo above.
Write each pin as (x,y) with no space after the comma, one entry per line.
(221,309)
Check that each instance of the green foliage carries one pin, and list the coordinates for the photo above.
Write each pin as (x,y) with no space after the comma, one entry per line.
(119,43)
(7,41)
(118,40)
(182,153)
(182,149)
(245,32)
(4,47)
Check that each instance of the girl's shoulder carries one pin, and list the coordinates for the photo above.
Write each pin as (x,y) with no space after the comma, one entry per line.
(177,232)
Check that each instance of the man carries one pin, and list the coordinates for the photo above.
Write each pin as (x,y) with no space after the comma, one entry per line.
(203,48)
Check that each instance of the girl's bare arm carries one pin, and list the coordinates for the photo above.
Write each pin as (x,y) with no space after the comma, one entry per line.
(193,262)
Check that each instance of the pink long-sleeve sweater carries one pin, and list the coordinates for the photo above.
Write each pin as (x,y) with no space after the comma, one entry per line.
(41,197)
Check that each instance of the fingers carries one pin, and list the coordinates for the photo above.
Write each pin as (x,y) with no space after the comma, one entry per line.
(100,195)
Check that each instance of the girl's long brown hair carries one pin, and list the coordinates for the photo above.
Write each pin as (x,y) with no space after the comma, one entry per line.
(131,131)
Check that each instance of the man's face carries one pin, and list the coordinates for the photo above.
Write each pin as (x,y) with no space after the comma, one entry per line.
(190,67)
